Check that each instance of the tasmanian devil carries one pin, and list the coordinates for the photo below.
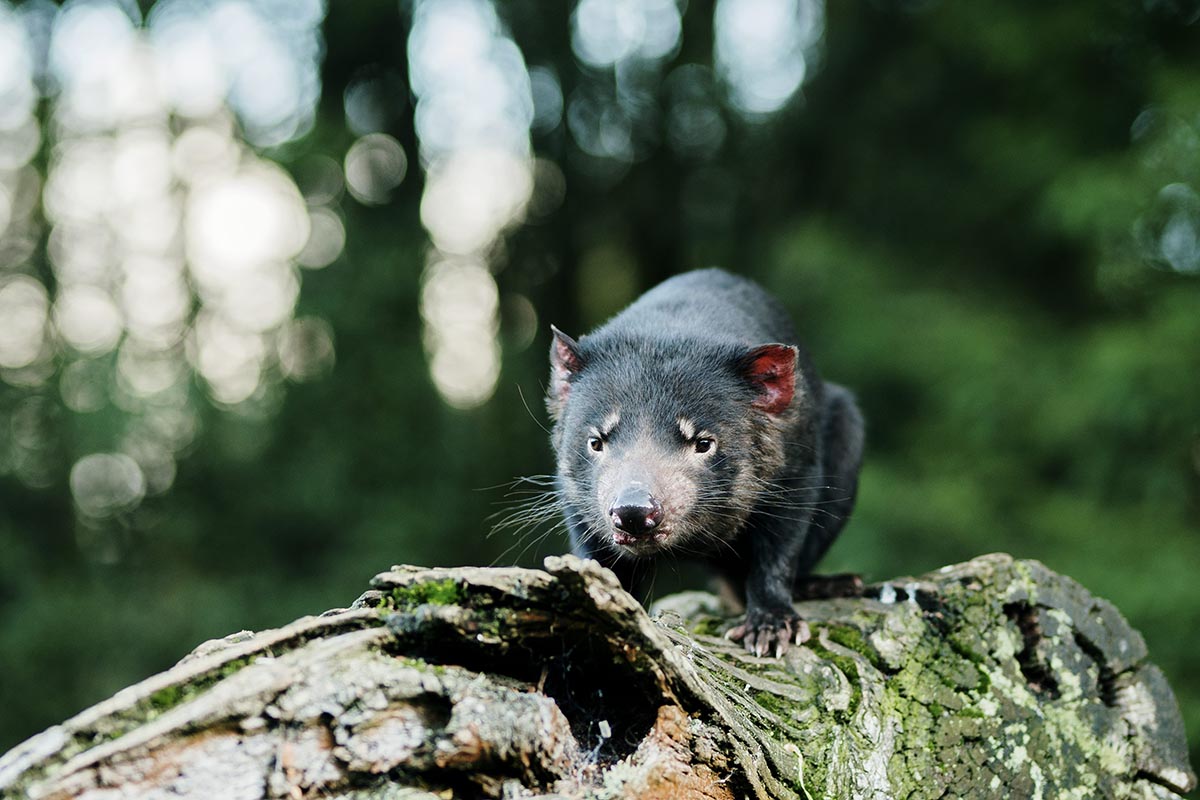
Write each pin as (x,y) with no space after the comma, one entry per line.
(693,423)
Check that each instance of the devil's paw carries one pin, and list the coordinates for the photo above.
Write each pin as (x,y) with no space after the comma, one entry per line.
(769,631)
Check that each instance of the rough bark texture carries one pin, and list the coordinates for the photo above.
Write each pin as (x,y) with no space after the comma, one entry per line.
(993,678)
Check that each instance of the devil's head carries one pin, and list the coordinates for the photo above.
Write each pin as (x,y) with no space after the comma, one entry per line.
(667,443)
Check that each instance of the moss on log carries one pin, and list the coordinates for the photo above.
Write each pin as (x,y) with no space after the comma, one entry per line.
(992,678)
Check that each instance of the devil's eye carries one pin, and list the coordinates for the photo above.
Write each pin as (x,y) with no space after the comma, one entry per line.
(705,445)
(596,443)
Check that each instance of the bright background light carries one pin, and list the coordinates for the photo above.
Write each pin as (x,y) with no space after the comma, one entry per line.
(473,114)
(171,242)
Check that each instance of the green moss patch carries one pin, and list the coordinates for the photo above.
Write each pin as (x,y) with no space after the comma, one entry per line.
(708,626)
(436,593)
(848,667)
(852,639)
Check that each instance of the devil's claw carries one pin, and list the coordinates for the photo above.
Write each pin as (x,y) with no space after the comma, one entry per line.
(769,632)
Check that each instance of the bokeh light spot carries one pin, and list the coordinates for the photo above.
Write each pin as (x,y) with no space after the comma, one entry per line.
(319,179)
(24,308)
(549,188)
(144,371)
(306,349)
(87,319)
(459,303)
(104,484)
(375,165)
(326,238)
(763,49)
(472,197)
(244,220)
(373,101)
(83,385)
(605,32)
(229,359)
(520,321)
(546,92)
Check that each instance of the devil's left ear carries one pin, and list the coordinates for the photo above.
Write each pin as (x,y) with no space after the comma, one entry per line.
(771,371)
(565,363)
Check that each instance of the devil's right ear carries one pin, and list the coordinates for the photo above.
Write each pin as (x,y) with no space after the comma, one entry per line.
(565,364)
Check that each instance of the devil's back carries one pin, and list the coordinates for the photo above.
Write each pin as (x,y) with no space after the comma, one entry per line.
(707,304)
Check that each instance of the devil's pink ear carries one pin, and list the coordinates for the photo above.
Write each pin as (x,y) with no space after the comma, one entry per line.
(565,363)
(771,370)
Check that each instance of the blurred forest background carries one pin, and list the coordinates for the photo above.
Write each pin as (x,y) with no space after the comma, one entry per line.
(276,279)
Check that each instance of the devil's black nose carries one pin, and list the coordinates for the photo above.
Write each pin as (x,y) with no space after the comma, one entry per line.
(636,512)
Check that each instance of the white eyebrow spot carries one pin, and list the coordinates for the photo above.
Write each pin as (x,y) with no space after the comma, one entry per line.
(610,422)
(687,428)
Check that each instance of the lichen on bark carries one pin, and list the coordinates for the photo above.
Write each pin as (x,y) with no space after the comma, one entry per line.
(992,678)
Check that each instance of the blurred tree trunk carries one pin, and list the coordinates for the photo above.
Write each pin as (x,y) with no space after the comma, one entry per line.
(993,678)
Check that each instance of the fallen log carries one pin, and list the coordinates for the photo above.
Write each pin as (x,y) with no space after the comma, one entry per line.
(992,678)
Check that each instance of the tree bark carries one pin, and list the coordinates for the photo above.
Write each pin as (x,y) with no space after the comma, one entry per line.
(992,678)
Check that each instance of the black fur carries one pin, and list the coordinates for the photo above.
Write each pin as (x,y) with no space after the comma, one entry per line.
(783,479)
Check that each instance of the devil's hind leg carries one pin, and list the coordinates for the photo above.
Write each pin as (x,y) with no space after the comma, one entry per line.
(842,452)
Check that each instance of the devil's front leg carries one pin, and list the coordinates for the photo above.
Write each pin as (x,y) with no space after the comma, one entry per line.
(772,551)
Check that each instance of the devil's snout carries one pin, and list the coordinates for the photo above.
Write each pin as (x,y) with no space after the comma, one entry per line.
(635,511)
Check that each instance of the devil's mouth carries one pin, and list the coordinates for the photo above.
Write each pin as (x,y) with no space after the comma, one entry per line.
(647,542)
